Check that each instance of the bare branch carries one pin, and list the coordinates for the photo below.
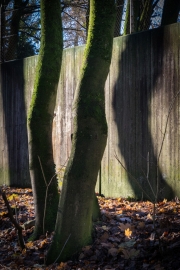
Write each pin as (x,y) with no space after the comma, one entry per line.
(132,176)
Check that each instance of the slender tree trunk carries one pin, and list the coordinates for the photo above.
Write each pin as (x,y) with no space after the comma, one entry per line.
(40,118)
(11,51)
(145,16)
(127,19)
(170,12)
(74,220)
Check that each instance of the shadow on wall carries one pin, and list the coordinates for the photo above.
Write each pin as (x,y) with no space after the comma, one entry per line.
(138,81)
(14,143)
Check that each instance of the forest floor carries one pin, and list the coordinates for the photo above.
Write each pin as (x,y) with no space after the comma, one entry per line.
(124,238)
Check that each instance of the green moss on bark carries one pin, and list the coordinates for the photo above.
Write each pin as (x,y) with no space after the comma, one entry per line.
(40,116)
(74,219)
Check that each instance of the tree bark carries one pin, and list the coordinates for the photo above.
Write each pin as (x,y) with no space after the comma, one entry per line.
(74,220)
(127,20)
(40,118)
(170,12)
(145,16)
(11,51)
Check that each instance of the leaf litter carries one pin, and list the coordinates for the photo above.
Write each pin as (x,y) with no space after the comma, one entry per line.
(124,237)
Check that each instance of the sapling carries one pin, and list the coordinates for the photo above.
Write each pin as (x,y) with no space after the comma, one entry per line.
(13,220)
(47,187)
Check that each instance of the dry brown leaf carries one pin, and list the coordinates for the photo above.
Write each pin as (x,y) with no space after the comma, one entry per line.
(43,243)
(125,226)
(104,237)
(29,244)
(141,225)
(149,216)
(129,254)
(113,252)
(106,245)
(86,248)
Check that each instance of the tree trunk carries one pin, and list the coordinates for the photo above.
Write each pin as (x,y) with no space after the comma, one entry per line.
(74,220)
(40,118)
(127,20)
(145,16)
(11,50)
(170,12)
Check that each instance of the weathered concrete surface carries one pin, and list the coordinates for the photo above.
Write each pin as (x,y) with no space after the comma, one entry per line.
(142,82)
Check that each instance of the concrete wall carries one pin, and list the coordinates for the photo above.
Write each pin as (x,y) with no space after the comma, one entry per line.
(142,83)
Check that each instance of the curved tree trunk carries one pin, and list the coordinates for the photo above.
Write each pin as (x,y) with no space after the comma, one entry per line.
(40,118)
(74,220)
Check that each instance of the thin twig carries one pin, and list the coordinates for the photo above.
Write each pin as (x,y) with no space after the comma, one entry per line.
(62,248)
(162,143)
(169,112)
(147,177)
(47,187)
(154,214)
(46,203)
(42,171)
(132,176)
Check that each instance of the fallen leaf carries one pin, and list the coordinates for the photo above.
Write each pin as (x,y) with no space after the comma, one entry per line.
(141,225)
(105,228)
(125,226)
(29,244)
(86,248)
(152,236)
(149,216)
(113,252)
(129,254)
(43,244)
(128,232)
(104,236)
(12,197)
(127,244)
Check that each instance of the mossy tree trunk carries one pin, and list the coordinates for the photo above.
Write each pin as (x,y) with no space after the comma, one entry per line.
(74,220)
(127,20)
(170,12)
(40,118)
